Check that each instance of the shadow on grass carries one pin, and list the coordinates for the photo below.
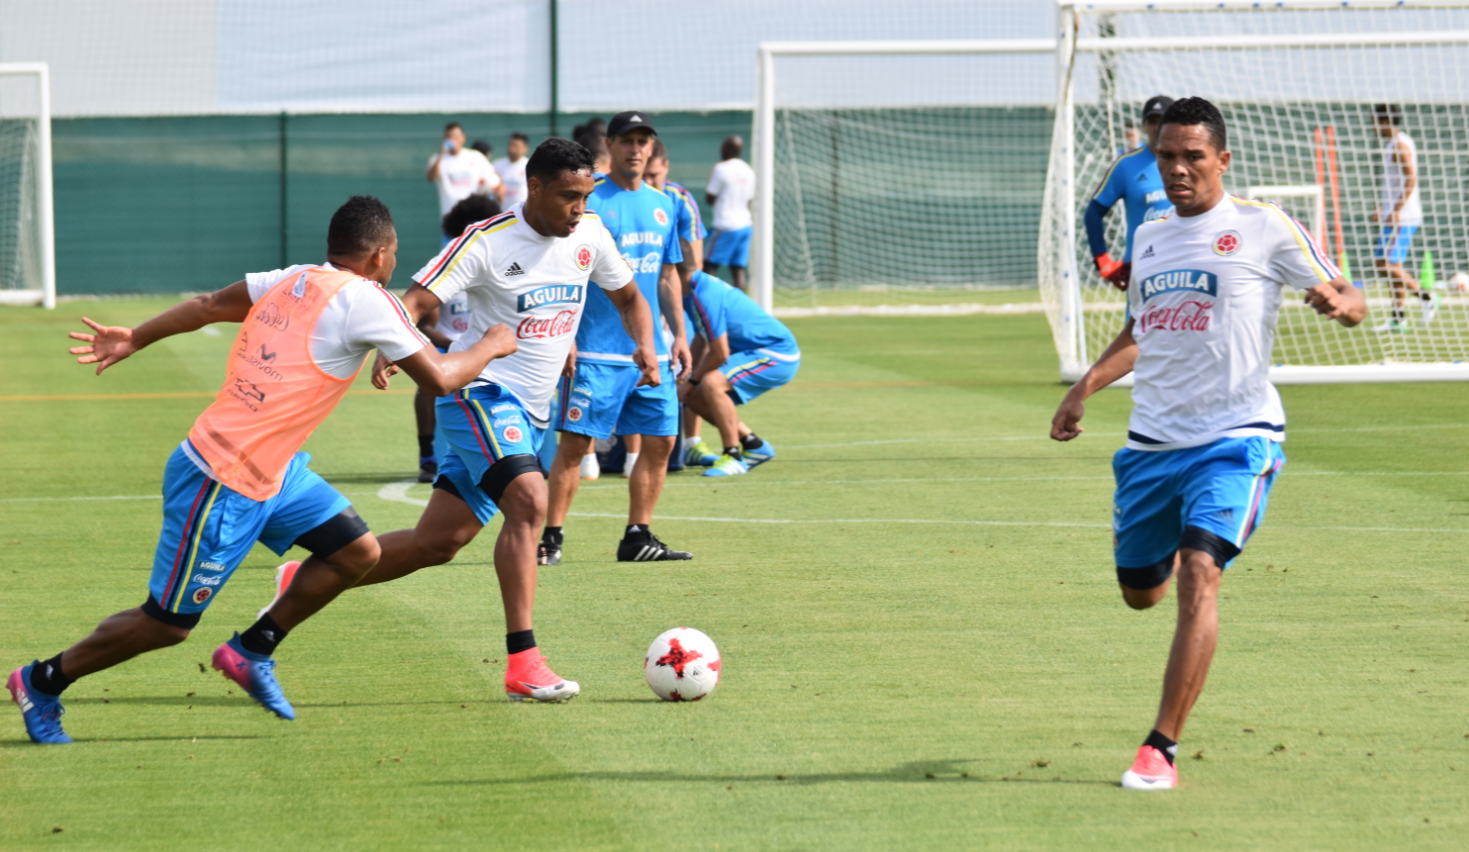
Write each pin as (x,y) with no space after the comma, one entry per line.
(188,739)
(165,700)
(918,772)
(368,478)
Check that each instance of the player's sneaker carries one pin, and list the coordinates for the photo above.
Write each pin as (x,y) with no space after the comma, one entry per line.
(728,466)
(548,552)
(284,574)
(1430,307)
(1151,771)
(645,547)
(427,470)
(1393,324)
(528,679)
(760,455)
(255,673)
(589,467)
(700,455)
(41,712)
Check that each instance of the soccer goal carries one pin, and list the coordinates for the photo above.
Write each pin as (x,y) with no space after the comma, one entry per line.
(27,241)
(1298,83)
(900,175)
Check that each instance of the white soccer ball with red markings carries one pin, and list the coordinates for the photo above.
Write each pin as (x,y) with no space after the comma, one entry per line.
(682,665)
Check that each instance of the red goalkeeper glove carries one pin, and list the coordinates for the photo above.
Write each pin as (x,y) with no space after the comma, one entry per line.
(1118,274)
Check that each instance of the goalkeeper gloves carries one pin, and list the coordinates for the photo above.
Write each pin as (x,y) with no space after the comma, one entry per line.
(1115,272)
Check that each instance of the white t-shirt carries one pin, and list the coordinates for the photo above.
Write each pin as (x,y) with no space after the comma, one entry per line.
(513,174)
(462,174)
(732,183)
(361,317)
(535,285)
(1393,181)
(1204,299)
(454,317)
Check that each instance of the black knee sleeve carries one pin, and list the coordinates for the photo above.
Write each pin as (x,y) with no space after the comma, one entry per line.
(504,471)
(1148,576)
(185,620)
(1221,549)
(445,484)
(338,532)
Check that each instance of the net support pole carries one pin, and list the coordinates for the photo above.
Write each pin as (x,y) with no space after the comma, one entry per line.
(1074,361)
(763,279)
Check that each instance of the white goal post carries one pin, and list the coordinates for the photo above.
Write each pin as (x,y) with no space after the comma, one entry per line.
(1299,84)
(27,222)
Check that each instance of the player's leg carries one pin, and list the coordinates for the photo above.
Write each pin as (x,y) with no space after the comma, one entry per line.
(423,415)
(592,403)
(711,399)
(653,413)
(711,266)
(697,453)
(1389,256)
(738,257)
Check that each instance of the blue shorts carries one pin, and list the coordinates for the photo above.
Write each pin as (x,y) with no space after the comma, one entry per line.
(481,426)
(208,529)
(731,248)
(1220,488)
(603,399)
(1394,243)
(756,371)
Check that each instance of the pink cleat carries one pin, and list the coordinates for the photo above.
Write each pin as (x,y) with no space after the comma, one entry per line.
(528,679)
(1151,771)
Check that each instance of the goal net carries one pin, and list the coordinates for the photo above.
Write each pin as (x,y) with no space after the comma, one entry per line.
(1298,84)
(900,174)
(27,255)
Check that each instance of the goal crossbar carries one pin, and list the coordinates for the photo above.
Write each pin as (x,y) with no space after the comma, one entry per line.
(45,200)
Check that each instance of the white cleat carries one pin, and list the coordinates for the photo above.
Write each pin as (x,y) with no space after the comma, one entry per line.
(284,574)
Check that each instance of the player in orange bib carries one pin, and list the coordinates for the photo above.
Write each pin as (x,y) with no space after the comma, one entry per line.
(240,477)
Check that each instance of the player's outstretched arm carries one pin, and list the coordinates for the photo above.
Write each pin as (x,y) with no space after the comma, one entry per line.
(637,319)
(111,344)
(440,373)
(1338,299)
(1115,363)
(670,301)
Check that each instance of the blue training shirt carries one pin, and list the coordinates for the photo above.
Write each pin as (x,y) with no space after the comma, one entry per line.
(716,309)
(643,224)
(690,223)
(1133,180)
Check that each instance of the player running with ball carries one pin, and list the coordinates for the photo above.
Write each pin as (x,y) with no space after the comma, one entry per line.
(239,477)
(1203,443)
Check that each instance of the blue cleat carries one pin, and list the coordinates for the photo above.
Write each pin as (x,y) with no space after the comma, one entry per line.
(699,455)
(760,455)
(728,466)
(42,712)
(255,674)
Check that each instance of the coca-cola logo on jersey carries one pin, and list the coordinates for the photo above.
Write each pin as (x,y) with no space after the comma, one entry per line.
(1191,315)
(543,327)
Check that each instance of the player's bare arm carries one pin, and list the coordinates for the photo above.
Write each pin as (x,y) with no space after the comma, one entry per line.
(637,318)
(443,373)
(428,325)
(111,344)
(670,300)
(1115,363)
(1338,299)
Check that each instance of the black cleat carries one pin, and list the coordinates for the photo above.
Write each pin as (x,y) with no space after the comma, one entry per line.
(645,547)
(549,551)
(427,471)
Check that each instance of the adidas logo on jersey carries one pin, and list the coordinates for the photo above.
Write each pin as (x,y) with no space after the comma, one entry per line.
(515,270)
(1147,254)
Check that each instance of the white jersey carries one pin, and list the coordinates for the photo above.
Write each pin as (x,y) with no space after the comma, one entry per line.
(535,285)
(513,174)
(454,317)
(732,183)
(1394,180)
(1204,299)
(361,317)
(461,175)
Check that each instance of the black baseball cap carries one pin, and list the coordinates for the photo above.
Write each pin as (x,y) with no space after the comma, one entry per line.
(1156,105)
(631,120)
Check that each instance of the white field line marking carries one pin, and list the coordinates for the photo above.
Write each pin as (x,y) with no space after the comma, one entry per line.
(1040,437)
(397,492)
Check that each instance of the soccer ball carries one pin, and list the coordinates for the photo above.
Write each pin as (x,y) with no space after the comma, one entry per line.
(682,665)
(1459,282)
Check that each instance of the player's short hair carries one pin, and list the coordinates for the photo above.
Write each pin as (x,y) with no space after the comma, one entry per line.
(521,136)
(453,125)
(557,155)
(1191,112)
(483,147)
(731,147)
(359,227)
(474,208)
(1391,113)
(660,151)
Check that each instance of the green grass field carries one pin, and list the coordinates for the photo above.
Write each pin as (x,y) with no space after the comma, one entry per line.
(923,643)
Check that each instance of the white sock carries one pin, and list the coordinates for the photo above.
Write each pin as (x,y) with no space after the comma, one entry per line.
(632,459)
